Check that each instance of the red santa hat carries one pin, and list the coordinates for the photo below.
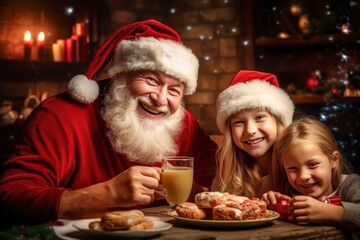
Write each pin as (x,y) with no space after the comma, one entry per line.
(251,90)
(146,45)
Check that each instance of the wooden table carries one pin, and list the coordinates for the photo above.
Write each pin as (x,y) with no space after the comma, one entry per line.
(276,229)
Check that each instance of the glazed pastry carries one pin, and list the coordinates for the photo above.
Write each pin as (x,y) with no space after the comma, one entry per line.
(210,199)
(144,225)
(121,219)
(133,220)
(245,210)
(222,206)
(190,210)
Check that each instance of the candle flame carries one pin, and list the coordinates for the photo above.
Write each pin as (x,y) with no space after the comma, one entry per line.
(27,36)
(41,36)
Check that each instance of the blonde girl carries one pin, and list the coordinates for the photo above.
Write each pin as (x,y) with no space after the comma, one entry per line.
(307,164)
(251,112)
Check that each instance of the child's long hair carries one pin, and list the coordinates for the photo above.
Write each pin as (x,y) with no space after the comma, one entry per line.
(239,173)
(309,130)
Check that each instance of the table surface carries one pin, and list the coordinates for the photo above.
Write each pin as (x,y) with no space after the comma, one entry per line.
(275,229)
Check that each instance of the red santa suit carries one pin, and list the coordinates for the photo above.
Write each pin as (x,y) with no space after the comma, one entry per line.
(64,146)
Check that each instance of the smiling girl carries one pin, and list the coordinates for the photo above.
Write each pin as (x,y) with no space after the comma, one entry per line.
(307,164)
(251,112)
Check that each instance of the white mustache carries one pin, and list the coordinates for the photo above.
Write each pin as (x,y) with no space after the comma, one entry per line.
(149,102)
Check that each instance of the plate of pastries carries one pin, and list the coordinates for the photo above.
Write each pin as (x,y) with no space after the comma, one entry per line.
(122,224)
(216,209)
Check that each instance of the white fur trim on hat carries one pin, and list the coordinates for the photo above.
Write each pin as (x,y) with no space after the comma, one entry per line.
(251,95)
(83,89)
(148,53)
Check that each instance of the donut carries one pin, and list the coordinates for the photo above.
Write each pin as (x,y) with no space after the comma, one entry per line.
(210,199)
(190,210)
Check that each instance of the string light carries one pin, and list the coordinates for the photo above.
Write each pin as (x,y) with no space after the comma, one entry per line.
(69,10)
(343,57)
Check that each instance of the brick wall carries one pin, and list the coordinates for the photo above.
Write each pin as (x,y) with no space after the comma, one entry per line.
(18,79)
(18,16)
(212,29)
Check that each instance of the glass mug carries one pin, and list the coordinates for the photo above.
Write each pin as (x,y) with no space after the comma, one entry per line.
(177,179)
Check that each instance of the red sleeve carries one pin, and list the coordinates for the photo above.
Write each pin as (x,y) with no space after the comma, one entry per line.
(29,178)
(33,179)
(194,141)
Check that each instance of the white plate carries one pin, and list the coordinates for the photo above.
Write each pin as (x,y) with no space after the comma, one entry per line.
(270,215)
(159,226)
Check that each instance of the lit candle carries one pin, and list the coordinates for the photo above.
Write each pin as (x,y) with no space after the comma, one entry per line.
(27,45)
(41,45)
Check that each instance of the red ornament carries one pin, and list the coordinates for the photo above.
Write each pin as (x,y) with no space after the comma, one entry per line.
(335,91)
(282,208)
(312,82)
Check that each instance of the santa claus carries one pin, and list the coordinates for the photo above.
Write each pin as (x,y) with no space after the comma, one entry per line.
(99,146)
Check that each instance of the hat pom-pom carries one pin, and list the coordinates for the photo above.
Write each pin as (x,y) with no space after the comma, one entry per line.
(83,89)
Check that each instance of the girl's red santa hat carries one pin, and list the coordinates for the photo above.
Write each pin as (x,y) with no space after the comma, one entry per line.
(146,45)
(252,90)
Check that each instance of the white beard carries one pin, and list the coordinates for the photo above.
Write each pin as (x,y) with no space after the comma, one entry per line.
(142,140)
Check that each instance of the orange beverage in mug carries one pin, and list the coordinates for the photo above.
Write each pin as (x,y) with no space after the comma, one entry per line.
(177,182)
(177,178)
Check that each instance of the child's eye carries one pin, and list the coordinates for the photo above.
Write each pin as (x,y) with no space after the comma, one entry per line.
(291,169)
(237,122)
(312,165)
(259,117)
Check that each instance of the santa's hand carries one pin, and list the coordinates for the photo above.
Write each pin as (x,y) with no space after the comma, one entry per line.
(135,186)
